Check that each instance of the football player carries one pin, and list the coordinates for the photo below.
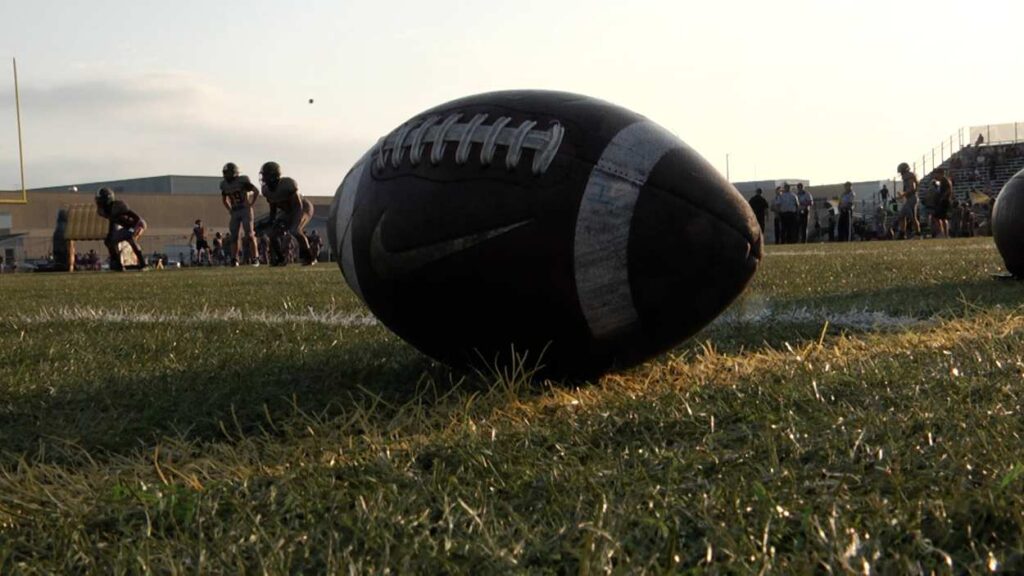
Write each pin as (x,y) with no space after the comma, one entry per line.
(125,226)
(289,212)
(239,195)
(202,246)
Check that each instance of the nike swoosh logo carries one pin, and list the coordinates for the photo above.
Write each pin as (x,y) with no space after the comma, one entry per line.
(388,264)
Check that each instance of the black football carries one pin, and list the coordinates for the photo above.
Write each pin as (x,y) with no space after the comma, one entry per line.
(541,224)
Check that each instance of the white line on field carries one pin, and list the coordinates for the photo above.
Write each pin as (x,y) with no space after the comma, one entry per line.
(130,316)
(863,319)
(893,248)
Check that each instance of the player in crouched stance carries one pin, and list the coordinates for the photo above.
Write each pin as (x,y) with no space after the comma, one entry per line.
(289,214)
(125,226)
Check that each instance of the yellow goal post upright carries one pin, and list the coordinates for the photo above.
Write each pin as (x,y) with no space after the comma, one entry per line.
(21,153)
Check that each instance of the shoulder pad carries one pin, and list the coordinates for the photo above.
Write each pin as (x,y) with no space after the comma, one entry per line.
(287,186)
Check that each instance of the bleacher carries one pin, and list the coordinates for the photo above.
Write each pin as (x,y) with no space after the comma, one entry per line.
(1001,162)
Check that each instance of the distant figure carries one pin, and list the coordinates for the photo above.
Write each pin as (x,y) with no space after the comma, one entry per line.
(883,194)
(943,204)
(202,247)
(125,226)
(846,213)
(289,212)
(806,202)
(979,141)
(789,208)
(777,214)
(316,244)
(760,207)
(218,249)
(907,218)
(831,224)
(238,195)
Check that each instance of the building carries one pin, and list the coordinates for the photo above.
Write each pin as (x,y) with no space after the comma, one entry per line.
(169,204)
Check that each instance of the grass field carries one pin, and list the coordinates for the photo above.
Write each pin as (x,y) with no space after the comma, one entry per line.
(859,410)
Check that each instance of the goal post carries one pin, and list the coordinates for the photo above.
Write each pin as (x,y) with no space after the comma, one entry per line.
(21,154)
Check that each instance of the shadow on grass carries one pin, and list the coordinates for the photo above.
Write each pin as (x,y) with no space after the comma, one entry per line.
(955,298)
(126,413)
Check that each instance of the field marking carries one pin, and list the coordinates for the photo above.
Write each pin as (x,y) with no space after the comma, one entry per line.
(858,319)
(132,316)
(896,248)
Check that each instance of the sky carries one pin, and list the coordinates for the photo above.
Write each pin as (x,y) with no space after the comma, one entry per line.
(825,90)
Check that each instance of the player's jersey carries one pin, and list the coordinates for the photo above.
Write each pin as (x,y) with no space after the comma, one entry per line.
(281,195)
(200,232)
(120,214)
(910,185)
(237,191)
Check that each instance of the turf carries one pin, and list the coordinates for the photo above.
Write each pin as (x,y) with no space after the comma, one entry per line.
(858,410)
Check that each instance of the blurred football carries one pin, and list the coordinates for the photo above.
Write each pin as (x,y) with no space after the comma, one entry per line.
(544,225)
(1007,231)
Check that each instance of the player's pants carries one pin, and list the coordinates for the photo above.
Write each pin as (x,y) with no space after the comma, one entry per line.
(241,218)
(294,224)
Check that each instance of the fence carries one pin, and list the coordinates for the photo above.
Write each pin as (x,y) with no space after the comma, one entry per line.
(991,134)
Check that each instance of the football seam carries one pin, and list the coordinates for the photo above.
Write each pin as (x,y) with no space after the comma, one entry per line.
(417,133)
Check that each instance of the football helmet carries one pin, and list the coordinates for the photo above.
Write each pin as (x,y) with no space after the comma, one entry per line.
(230,171)
(104,196)
(270,172)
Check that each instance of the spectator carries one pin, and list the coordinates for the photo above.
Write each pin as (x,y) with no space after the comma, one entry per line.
(789,209)
(777,214)
(806,202)
(955,219)
(760,207)
(831,223)
(218,249)
(883,194)
(846,213)
(943,203)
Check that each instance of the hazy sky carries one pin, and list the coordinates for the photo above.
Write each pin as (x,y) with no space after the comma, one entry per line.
(827,90)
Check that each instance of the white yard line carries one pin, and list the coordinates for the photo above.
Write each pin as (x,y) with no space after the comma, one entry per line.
(130,316)
(895,248)
(862,319)
(747,313)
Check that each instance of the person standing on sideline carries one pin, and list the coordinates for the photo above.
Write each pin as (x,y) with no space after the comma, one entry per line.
(238,194)
(789,208)
(777,214)
(943,204)
(907,218)
(202,246)
(846,213)
(806,205)
(760,207)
